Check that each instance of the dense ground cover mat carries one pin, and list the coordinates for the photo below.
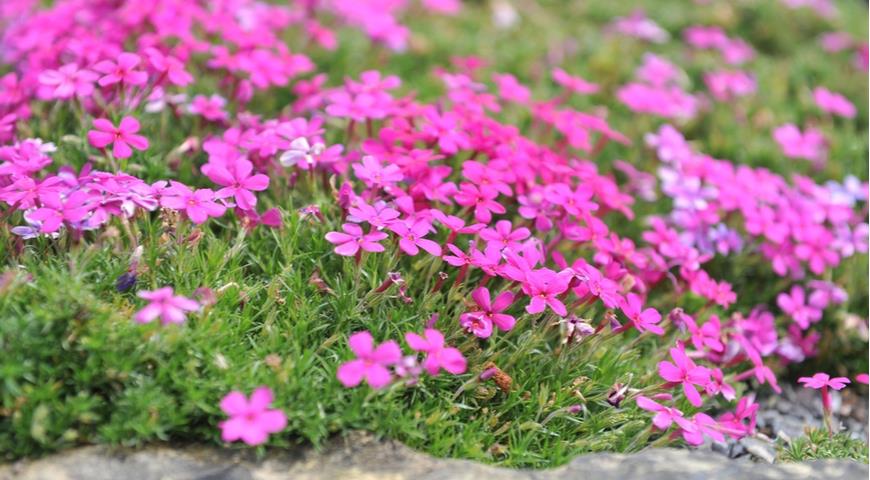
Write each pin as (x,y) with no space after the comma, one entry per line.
(509,231)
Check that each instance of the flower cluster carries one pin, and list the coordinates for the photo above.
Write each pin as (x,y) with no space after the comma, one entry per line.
(521,218)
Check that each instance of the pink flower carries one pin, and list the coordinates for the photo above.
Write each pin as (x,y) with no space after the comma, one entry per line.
(502,236)
(250,420)
(543,288)
(121,71)
(510,89)
(165,304)
(238,182)
(823,380)
(56,210)
(210,108)
(573,83)
(834,103)
(411,237)
(862,378)
(168,66)
(67,81)
(437,355)
(794,305)
(483,201)
(684,371)
(371,363)
(664,416)
(376,175)
(357,107)
(480,322)
(642,319)
(198,205)
(352,240)
(123,136)
(809,145)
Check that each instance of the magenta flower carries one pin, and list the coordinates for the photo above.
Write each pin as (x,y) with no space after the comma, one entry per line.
(352,240)
(823,381)
(210,108)
(371,363)
(502,236)
(809,144)
(165,304)
(250,420)
(376,175)
(198,205)
(480,322)
(573,83)
(121,71)
(684,371)
(483,201)
(68,81)
(794,305)
(123,136)
(238,182)
(543,288)
(510,89)
(56,210)
(664,416)
(437,355)
(862,378)
(168,66)
(411,237)
(642,319)
(833,103)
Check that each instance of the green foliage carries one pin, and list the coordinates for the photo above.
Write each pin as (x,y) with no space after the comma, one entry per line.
(817,444)
(74,367)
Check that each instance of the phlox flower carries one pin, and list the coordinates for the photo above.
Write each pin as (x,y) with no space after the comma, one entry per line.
(483,201)
(809,144)
(251,420)
(833,103)
(438,356)
(823,380)
(727,85)
(684,371)
(210,108)
(198,205)
(168,66)
(57,210)
(122,70)
(371,362)
(543,287)
(165,304)
(502,236)
(121,137)
(510,89)
(411,237)
(67,81)
(573,83)
(643,319)
(794,305)
(376,175)
(352,240)
(664,416)
(480,322)
(639,26)
(238,181)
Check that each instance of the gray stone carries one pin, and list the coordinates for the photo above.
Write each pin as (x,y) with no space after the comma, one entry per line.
(360,456)
(759,449)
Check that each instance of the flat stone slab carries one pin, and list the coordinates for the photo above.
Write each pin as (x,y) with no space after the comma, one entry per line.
(360,456)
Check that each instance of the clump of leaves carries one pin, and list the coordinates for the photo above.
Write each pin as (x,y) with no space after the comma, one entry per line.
(817,444)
